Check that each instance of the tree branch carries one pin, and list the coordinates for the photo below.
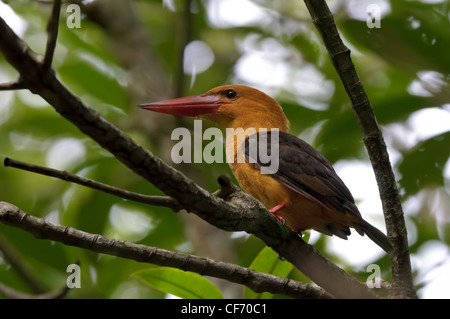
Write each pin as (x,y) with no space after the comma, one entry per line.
(9,292)
(165,201)
(16,263)
(185,36)
(259,282)
(402,283)
(9,86)
(52,30)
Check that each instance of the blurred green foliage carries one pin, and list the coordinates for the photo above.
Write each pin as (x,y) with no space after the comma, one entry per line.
(183,284)
(403,65)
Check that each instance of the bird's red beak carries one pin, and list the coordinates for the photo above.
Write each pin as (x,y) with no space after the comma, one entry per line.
(187,106)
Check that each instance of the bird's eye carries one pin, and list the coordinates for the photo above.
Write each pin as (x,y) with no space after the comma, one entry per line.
(230,94)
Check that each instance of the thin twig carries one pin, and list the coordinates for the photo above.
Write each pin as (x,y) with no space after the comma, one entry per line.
(52,30)
(11,293)
(11,257)
(165,201)
(259,282)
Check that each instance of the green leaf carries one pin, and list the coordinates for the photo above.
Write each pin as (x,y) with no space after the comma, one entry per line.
(268,262)
(183,284)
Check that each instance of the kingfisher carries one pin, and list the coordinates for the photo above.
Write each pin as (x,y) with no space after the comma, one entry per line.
(303,190)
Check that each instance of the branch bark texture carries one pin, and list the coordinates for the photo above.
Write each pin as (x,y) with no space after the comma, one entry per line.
(402,283)
(259,282)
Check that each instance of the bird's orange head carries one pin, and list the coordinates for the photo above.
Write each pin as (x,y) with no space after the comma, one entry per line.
(229,106)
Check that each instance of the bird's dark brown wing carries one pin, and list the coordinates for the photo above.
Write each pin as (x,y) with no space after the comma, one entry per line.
(307,172)
(301,168)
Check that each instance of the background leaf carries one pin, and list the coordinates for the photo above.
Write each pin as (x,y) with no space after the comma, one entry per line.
(183,284)
(267,261)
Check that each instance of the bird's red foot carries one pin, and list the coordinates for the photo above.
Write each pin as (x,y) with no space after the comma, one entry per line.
(276,209)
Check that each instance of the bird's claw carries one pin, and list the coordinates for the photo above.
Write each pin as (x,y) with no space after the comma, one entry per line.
(276,209)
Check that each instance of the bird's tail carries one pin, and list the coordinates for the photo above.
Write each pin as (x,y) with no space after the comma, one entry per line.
(375,235)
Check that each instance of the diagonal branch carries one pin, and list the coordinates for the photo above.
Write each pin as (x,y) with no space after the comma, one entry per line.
(402,283)
(259,282)
(16,263)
